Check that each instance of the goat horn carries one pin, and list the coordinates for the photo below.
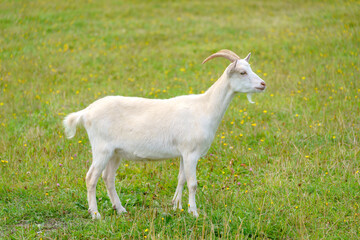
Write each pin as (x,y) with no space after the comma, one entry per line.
(223,53)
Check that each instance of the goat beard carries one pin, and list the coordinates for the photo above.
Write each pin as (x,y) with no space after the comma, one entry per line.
(249,97)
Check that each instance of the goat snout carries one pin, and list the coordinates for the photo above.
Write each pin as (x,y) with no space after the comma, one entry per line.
(262,86)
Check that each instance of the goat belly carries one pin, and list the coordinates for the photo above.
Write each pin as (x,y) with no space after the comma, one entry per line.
(146,152)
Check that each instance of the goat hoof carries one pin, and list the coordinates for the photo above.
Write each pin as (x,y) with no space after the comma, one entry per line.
(193,212)
(120,210)
(176,204)
(95,216)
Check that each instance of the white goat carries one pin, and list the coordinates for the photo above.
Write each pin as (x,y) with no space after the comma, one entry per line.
(151,129)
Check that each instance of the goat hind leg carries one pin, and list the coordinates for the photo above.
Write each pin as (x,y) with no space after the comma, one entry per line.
(100,160)
(109,178)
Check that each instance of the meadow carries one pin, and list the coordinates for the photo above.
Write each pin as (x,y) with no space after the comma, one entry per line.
(286,167)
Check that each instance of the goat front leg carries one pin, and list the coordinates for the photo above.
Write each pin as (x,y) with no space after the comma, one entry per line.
(181,182)
(190,162)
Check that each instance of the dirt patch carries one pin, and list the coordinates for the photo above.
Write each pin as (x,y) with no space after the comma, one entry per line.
(40,228)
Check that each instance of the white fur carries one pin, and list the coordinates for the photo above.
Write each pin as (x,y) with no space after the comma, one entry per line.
(151,129)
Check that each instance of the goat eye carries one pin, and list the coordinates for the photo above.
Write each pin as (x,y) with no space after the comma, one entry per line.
(243,73)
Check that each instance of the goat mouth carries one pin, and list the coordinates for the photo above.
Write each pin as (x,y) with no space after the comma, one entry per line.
(260,88)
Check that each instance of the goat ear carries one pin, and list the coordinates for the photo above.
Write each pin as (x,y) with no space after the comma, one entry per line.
(232,67)
(247,57)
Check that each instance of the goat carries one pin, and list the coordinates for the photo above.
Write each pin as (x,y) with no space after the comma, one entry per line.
(138,129)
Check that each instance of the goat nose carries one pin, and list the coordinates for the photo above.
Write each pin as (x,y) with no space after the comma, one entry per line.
(263,84)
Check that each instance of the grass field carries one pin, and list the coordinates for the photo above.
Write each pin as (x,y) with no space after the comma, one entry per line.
(286,167)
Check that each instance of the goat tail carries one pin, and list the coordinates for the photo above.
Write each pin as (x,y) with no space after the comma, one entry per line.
(71,121)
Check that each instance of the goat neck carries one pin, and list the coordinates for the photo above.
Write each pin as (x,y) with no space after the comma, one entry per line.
(217,100)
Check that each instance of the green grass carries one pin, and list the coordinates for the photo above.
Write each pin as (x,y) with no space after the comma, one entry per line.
(286,167)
